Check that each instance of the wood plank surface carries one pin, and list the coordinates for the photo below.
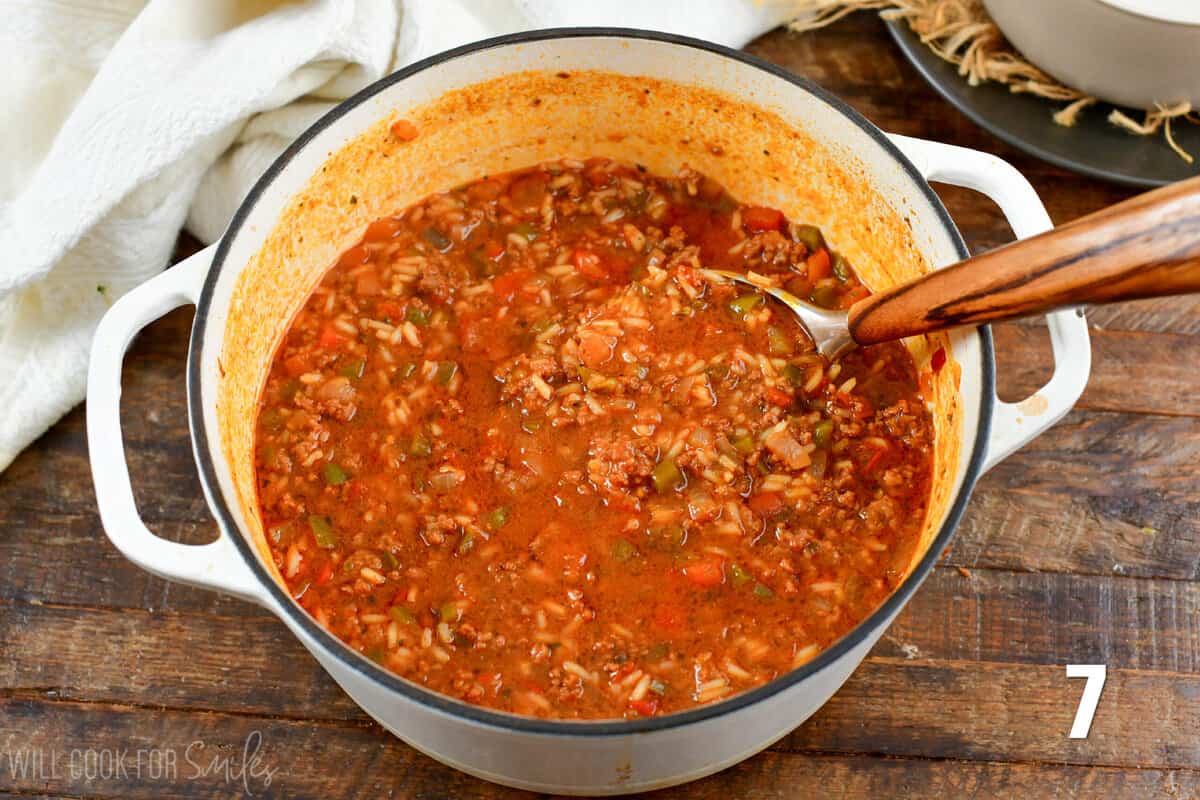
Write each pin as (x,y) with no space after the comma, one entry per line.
(1122,380)
(297,756)
(254,665)
(1082,548)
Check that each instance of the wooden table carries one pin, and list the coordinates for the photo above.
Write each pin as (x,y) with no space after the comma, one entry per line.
(1082,548)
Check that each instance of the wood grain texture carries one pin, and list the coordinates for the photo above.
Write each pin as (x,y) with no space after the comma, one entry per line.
(1083,547)
(300,754)
(1147,246)
(1001,712)
(1121,379)
(253,665)
(1100,493)
(1159,315)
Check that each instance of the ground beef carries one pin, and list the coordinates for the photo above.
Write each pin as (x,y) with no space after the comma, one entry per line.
(618,462)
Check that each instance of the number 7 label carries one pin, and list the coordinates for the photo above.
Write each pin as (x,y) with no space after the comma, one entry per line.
(1095,674)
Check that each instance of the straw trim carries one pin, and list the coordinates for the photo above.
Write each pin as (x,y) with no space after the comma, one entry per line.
(960,32)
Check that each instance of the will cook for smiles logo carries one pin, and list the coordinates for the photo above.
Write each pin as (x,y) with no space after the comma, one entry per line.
(247,767)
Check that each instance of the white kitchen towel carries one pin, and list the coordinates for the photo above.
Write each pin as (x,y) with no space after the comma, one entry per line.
(126,119)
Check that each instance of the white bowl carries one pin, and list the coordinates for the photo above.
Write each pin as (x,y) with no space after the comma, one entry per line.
(1135,53)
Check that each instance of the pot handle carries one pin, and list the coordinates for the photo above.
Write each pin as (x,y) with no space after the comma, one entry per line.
(216,565)
(1014,424)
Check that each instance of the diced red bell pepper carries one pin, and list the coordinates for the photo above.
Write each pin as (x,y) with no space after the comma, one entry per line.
(766,503)
(705,572)
(588,264)
(819,265)
(758,218)
(506,285)
(331,338)
(646,707)
(324,573)
(390,310)
(851,297)
(778,397)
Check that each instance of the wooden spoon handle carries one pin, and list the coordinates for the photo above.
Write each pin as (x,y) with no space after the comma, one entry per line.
(1147,246)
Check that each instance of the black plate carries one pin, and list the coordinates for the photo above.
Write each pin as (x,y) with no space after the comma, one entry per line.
(1093,147)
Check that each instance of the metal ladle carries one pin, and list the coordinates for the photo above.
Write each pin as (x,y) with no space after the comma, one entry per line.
(1147,246)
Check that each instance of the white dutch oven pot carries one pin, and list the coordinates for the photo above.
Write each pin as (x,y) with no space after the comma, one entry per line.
(657,100)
